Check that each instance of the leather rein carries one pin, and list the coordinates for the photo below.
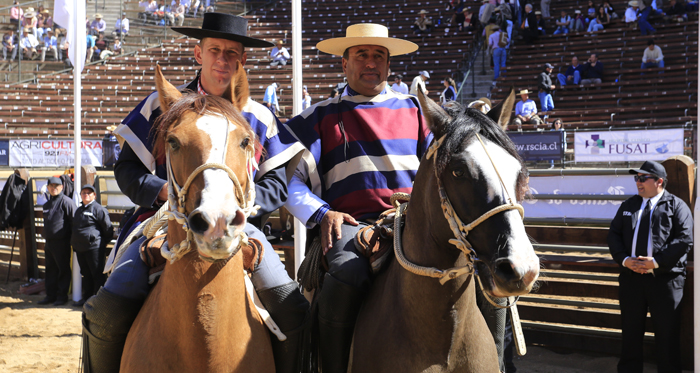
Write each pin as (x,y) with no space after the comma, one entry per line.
(459,230)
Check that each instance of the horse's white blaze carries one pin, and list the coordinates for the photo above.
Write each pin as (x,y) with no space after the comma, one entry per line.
(218,197)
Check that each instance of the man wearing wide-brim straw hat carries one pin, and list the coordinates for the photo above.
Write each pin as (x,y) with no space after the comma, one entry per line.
(371,140)
(98,26)
(423,24)
(526,110)
(109,315)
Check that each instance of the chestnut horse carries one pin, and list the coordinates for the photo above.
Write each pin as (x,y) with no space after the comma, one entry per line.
(199,318)
(463,221)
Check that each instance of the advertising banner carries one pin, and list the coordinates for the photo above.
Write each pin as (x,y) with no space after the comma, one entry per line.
(4,152)
(53,153)
(539,146)
(628,146)
(584,185)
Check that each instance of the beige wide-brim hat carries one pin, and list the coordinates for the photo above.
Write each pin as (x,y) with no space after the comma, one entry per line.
(423,11)
(634,3)
(98,15)
(524,92)
(29,13)
(366,34)
(111,128)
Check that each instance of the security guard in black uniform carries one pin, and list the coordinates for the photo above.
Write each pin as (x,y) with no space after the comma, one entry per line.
(58,220)
(92,231)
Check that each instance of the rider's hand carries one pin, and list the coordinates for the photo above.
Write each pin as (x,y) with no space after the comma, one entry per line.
(163,194)
(330,225)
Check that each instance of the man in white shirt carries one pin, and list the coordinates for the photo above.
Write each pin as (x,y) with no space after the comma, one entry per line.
(632,12)
(399,86)
(28,44)
(122,26)
(270,99)
(279,54)
(420,80)
(653,57)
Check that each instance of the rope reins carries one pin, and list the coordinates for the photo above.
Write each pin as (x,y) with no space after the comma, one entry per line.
(459,229)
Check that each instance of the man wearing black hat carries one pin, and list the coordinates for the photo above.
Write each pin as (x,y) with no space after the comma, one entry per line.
(92,231)
(58,220)
(109,314)
(546,87)
(650,238)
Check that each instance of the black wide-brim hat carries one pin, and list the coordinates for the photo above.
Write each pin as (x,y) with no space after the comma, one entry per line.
(224,26)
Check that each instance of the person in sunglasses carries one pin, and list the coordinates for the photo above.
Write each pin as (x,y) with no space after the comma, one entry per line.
(650,238)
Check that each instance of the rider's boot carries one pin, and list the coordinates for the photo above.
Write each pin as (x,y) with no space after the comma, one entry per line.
(289,310)
(338,306)
(107,318)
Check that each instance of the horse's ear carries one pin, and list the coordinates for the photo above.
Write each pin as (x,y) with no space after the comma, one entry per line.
(434,115)
(237,91)
(501,112)
(167,93)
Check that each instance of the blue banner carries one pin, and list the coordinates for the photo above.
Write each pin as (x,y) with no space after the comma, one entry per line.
(4,152)
(539,145)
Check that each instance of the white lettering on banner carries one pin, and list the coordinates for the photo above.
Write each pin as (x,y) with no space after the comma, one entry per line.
(53,153)
(583,185)
(540,146)
(627,146)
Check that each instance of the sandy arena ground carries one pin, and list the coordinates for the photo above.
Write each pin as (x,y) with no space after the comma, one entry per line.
(37,338)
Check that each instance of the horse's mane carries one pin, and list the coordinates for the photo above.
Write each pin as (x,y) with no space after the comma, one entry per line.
(201,105)
(465,123)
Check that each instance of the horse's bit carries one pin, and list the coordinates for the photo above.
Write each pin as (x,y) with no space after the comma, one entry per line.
(459,229)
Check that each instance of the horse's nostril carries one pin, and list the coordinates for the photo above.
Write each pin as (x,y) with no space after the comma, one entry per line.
(198,222)
(238,219)
(505,269)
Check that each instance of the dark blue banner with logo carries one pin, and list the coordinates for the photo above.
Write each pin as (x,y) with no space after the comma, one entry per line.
(540,145)
(4,152)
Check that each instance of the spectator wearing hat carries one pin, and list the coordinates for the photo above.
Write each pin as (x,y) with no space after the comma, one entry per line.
(30,20)
(653,57)
(544,83)
(649,238)
(48,20)
(529,26)
(92,232)
(541,24)
(423,24)
(9,44)
(98,25)
(526,110)
(28,43)
(632,13)
(399,86)
(572,74)
(563,24)
(578,24)
(270,99)
(58,222)
(419,81)
(279,54)
(592,71)
(16,13)
(306,99)
(467,20)
(497,44)
(121,27)
(50,44)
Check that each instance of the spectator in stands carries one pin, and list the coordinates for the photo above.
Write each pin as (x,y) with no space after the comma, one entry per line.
(179,13)
(526,110)
(468,21)
(419,81)
(504,19)
(16,13)
(199,9)
(591,11)
(9,44)
(490,28)
(529,26)
(541,25)
(600,21)
(92,232)
(497,44)
(572,74)
(48,19)
(165,11)
(423,24)
(62,44)
(675,12)
(121,27)
(31,21)
(150,7)
(117,46)
(186,3)
(632,13)
(544,83)
(653,57)
(306,99)
(592,71)
(450,91)
(578,23)
(28,43)
(609,9)
(558,125)
(100,47)
(649,238)
(485,12)
(50,44)
(544,8)
(458,8)
(563,23)
(399,86)
(279,55)
(98,26)
(270,99)
(58,222)
(90,47)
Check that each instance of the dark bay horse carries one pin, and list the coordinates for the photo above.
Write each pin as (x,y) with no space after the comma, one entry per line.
(199,318)
(463,214)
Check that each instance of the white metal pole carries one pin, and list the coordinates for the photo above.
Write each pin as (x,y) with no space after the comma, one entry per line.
(297,84)
(696,234)
(77,143)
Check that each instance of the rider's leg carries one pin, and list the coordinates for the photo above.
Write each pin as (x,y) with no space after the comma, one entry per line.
(107,316)
(281,297)
(344,288)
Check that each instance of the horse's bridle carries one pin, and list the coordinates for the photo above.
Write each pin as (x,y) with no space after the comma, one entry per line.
(177,197)
(459,229)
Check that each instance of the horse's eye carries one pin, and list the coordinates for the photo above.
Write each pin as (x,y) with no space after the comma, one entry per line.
(245,142)
(174,145)
(458,172)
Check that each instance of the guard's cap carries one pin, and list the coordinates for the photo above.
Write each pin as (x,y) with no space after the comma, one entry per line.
(651,167)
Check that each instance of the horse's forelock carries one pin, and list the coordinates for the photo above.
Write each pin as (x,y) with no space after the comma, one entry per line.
(464,125)
(201,105)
